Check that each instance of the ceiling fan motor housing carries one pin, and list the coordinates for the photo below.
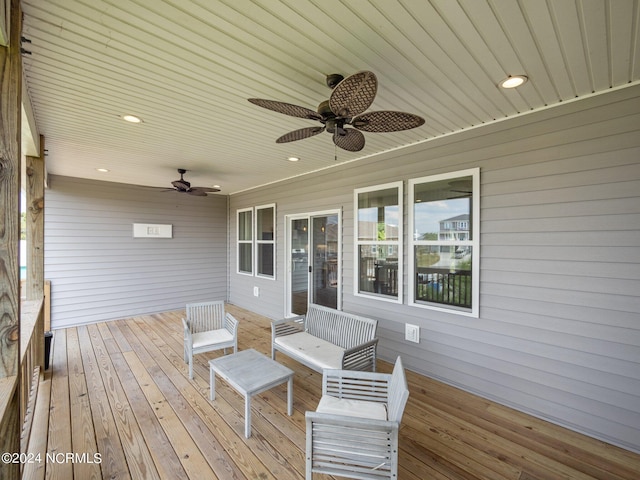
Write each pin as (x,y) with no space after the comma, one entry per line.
(181,184)
(334,79)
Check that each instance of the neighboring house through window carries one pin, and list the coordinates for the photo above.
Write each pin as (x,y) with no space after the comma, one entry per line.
(444,244)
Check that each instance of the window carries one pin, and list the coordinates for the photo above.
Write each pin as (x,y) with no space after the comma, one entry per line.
(378,240)
(245,241)
(444,219)
(256,241)
(265,241)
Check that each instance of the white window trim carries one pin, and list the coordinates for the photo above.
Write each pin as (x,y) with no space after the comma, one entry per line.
(475,243)
(250,241)
(258,241)
(399,243)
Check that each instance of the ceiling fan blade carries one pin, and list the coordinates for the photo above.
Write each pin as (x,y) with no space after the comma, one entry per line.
(197,192)
(352,140)
(206,189)
(300,134)
(286,108)
(354,94)
(386,121)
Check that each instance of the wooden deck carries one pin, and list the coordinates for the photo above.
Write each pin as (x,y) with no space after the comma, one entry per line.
(121,390)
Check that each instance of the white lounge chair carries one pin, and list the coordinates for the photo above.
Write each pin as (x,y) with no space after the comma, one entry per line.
(354,431)
(206,328)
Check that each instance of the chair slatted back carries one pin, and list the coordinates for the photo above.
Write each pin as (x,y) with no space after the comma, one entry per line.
(205,316)
(352,384)
(343,329)
(398,392)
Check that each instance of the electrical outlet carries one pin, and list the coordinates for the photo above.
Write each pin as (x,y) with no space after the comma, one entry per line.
(256,291)
(412,333)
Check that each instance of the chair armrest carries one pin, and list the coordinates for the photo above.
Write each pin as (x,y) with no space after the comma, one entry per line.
(342,421)
(231,324)
(287,326)
(187,331)
(361,357)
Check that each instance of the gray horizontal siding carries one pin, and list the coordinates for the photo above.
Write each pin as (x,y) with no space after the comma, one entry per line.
(98,271)
(559,328)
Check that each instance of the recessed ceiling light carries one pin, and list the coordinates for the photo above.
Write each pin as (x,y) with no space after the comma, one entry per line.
(131,119)
(102,170)
(217,186)
(513,81)
(293,159)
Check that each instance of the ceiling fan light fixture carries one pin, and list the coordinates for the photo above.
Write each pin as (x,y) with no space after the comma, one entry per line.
(513,81)
(131,118)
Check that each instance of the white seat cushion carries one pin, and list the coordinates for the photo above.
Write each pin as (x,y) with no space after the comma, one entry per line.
(352,408)
(312,349)
(211,337)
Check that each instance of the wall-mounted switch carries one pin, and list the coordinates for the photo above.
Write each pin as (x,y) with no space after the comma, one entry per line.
(412,333)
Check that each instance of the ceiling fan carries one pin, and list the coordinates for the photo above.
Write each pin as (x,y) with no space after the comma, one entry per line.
(185,187)
(350,97)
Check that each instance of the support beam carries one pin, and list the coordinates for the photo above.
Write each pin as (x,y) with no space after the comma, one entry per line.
(35,173)
(10,129)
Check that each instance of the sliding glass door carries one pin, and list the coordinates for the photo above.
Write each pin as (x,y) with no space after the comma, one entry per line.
(314,261)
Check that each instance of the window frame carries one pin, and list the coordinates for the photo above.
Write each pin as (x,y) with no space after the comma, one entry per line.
(258,242)
(399,298)
(474,243)
(244,242)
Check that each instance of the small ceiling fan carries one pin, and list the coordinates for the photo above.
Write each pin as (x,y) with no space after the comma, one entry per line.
(185,187)
(350,97)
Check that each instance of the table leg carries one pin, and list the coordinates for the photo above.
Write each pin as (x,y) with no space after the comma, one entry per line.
(290,396)
(212,383)
(247,416)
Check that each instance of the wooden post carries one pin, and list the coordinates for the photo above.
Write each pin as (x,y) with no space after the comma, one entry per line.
(35,242)
(10,131)
(35,225)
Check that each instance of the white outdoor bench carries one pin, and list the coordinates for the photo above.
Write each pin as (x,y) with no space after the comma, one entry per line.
(327,338)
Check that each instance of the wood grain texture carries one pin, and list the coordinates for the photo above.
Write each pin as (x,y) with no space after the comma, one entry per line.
(35,175)
(445,434)
(60,427)
(10,123)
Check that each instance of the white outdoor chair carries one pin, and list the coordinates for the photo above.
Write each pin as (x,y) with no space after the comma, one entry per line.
(208,328)
(354,431)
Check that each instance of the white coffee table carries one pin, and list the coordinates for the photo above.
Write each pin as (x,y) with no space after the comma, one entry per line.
(249,372)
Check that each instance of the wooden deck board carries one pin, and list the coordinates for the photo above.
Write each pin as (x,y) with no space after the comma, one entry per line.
(82,431)
(229,409)
(59,439)
(113,461)
(121,389)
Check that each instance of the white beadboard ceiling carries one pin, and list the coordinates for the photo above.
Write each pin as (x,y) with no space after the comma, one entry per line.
(187,68)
